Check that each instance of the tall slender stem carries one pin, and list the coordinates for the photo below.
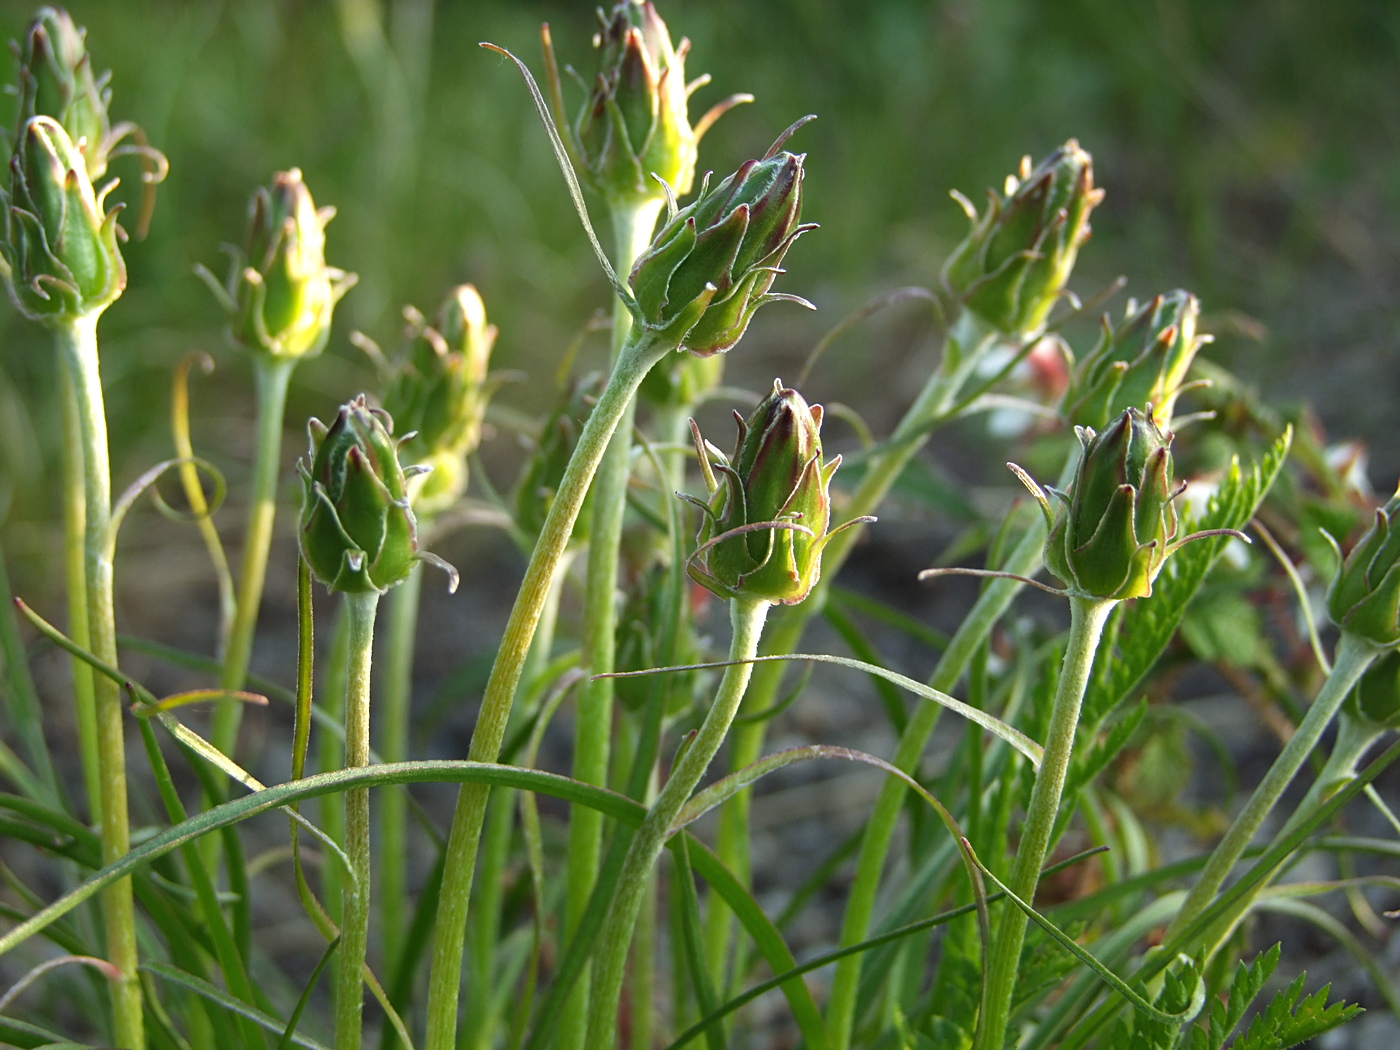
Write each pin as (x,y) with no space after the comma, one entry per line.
(272,376)
(1353,656)
(632,227)
(747,617)
(965,345)
(354,924)
(393,731)
(638,355)
(1087,619)
(78,343)
(75,561)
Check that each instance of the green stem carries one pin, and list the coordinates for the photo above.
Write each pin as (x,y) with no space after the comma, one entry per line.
(354,924)
(74,525)
(966,343)
(1353,656)
(330,754)
(1087,619)
(995,599)
(747,617)
(393,731)
(632,228)
(272,376)
(78,343)
(638,355)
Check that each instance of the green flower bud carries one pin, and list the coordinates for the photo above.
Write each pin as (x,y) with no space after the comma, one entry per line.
(764,528)
(1110,535)
(545,468)
(439,393)
(635,123)
(56,80)
(710,267)
(1364,599)
(1142,361)
(357,531)
(60,247)
(280,293)
(1014,263)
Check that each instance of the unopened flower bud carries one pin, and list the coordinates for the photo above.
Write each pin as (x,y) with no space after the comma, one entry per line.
(280,293)
(544,470)
(56,80)
(439,393)
(1376,698)
(60,247)
(634,124)
(1110,535)
(710,267)
(1014,263)
(1141,361)
(766,522)
(1364,599)
(357,530)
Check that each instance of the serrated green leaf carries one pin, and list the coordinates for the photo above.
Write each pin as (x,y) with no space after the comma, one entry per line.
(1289,1021)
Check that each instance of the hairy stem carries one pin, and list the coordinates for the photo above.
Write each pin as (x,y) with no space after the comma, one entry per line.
(747,617)
(593,723)
(638,355)
(354,924)
(1087,619)
(78,342)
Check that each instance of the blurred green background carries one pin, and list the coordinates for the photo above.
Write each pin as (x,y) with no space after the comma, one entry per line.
(1250,149)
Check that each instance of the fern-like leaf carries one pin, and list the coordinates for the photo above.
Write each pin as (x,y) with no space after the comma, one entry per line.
(1289,1021)
(1226,1013)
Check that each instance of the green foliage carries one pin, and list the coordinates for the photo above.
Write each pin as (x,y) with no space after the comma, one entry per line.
(1149,1033)
(1289,1021)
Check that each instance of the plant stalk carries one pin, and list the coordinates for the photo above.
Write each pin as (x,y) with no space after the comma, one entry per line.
(354,924)
(747,617)
(78,343)
(632,229)
(641,351)
(1353,656)
(1087,619)
(936,403)
(272,376)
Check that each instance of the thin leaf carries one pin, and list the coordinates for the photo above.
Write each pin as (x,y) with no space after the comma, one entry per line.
(218,996)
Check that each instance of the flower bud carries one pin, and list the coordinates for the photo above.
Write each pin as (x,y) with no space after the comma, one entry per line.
(56,80)
(357,531)
(634,123)
(1142,361)
(60,247)
(1017,258)
(710,267)
(545,469)
(439,393)
(1110,535)
(1364,599)
(765,526)
(280,293)
(1376,698)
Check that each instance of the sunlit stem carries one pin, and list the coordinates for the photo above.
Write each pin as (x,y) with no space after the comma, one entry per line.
(354,925)
(641,351)
(632,228)
(747,617)
(1087,619)
(77,341)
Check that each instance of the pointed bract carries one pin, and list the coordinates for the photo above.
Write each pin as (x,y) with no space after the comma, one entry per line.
(1364,599)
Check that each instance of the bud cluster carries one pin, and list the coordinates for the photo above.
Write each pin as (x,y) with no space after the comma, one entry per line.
(1364,599)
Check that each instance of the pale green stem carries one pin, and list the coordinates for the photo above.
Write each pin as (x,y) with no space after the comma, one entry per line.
(637,357)
(393,731)
(966,343)
(74,524)
(330,754)
(272,376)
(1353,656)
(78,342)
(1087,619)
(747,616)
(593,723)
(354,923)
(991,604)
